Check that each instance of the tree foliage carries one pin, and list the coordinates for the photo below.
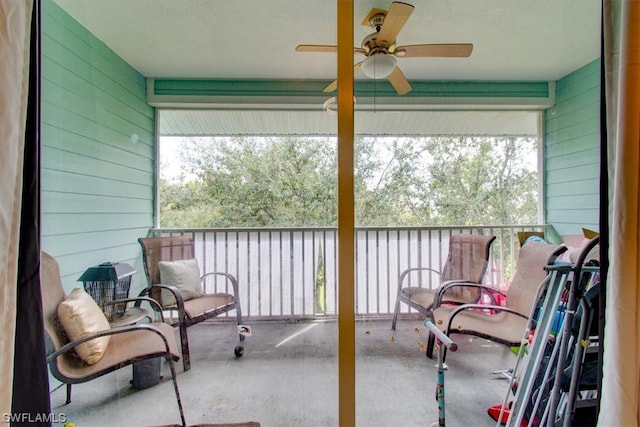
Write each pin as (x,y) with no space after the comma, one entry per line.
(291,182)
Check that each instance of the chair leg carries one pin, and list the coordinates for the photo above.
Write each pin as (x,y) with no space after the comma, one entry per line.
(184,338)
(184,343)
(431,342)
(395,314)
(175,388)
(68,394)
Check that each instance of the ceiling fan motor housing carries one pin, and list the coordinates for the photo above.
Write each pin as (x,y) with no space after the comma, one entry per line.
(370,45)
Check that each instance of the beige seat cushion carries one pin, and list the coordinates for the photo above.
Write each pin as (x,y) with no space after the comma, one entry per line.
(503,327)
(123,349)
(184,275)
(207,303)
(80,316)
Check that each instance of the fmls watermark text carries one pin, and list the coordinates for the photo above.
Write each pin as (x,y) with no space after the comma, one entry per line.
(28,417)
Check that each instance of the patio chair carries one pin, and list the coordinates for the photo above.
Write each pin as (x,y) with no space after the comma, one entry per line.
(182,288)
(467,261)
(111,348)
(506,323)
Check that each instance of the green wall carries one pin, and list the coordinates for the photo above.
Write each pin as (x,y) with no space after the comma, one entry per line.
(572,156)
(97,151)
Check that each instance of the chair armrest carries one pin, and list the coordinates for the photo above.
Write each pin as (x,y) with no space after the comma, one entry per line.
(437,299)
(113,331)
(409,270)
(176,293)
(465,307)
(230,277)
(138,302)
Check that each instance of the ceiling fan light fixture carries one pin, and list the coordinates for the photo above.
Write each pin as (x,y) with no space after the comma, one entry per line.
(378,66)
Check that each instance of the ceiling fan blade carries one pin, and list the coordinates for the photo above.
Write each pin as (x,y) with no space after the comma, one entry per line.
(331,87)
(399,81)
(325,48)
(334,84)
(394,21)
(316,48)
(434,50)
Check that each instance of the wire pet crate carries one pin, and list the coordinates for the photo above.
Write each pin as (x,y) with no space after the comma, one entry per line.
(109,282)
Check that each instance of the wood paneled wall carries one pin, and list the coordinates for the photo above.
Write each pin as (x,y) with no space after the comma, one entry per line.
(97,151)
(572,156)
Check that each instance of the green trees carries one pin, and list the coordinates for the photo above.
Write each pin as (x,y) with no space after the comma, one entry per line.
(448,181)
(476,179)
(291,182)
(254,182)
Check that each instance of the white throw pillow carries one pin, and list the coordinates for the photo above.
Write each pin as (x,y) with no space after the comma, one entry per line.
(184,275)
(81,316)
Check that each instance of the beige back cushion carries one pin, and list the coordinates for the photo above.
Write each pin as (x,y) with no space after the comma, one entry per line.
(81,316)
(184,275)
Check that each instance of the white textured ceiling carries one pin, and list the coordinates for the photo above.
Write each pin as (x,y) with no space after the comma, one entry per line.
(255,39)
(513,39)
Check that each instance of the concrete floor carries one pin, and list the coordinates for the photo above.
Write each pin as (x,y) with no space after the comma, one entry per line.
(288,377)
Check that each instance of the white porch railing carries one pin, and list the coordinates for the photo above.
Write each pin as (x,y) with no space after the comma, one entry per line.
(292,272)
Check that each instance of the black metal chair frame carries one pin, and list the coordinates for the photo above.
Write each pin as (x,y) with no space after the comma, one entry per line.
(183,247)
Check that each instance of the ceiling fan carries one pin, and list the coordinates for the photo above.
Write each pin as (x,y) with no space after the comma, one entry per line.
(380,47)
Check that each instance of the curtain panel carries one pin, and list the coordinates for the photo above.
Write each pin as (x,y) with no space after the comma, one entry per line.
(620,400)
(15,23)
